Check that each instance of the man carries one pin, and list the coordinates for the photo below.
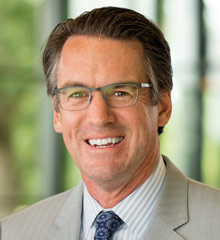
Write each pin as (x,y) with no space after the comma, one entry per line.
(109,75)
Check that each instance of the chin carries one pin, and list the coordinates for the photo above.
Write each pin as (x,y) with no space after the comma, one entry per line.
(103,174)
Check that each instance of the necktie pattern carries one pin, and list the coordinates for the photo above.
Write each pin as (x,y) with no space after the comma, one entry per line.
(106,223)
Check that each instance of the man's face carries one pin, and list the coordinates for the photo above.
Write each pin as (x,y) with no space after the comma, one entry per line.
(96,62)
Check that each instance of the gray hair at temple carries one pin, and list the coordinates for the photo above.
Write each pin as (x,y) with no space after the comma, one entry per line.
(114,23)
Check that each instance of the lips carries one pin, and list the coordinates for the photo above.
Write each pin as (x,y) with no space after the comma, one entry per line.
(104,142)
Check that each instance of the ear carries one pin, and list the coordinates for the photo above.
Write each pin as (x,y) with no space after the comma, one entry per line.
(56,117)
(57,122)
(164,109)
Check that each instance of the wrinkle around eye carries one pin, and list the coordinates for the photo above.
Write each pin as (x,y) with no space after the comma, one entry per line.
(144,97)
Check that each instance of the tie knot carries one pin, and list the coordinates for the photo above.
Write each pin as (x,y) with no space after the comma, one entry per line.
(106,223)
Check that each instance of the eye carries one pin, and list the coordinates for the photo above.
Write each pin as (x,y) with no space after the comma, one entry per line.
(121,94)
(78,94)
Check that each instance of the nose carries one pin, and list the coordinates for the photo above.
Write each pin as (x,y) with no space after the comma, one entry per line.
(98,112)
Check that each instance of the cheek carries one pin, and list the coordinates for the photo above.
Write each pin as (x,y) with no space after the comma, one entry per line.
(70,125)
(148,116)
(146,123)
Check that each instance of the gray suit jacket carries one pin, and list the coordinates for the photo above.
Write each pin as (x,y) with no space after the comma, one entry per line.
(185,209)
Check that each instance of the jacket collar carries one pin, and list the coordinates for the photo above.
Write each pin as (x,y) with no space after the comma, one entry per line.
(170,211)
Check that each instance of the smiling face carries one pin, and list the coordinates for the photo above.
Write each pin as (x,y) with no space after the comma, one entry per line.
(109,144)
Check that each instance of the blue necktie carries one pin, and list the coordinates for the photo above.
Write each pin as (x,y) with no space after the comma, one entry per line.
(106,223)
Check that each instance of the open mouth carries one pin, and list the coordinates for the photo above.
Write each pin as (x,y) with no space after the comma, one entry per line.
(104,142)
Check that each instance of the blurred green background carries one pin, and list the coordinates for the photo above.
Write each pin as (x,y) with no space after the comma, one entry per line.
(33,161)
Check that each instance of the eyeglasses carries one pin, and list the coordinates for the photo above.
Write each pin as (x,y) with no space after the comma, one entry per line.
(117,95)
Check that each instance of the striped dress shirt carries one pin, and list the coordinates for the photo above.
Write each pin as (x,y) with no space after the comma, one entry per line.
(135,210)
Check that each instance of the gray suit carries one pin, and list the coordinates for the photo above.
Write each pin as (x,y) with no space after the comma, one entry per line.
(185,209)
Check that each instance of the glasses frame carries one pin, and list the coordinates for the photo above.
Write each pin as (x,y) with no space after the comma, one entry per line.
(101,89)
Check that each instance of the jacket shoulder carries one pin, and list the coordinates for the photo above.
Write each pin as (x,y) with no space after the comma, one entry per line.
(43,206)
(36,219)
(193,205)
(203,212)
(203,198)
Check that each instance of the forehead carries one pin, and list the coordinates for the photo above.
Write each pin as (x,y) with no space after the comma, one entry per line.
(96,57)
(104,47)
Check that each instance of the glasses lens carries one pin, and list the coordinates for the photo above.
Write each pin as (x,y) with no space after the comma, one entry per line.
(121,95)
(74,98)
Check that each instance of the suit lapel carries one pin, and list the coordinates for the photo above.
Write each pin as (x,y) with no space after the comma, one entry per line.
(68,221)
(170,211)
(158,229)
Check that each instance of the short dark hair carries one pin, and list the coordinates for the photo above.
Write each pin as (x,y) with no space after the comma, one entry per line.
(115,23)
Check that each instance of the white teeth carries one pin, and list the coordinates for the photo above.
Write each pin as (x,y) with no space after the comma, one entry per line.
(98,141)
(105,141)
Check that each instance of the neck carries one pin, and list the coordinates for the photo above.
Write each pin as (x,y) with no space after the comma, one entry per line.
(109,194)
